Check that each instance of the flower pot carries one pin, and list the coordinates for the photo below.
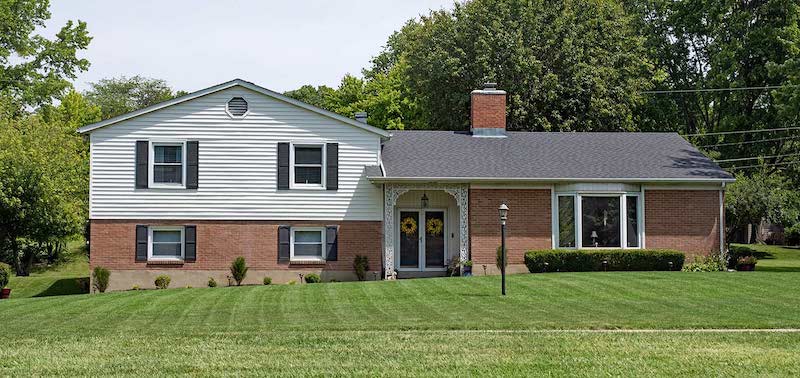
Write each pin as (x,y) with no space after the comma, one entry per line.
(746,267)
(5,293)
(467,271)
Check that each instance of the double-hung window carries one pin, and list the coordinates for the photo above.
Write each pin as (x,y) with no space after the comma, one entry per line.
(596,220)
(308,244)
(308,162)
(166,243)
(168,164)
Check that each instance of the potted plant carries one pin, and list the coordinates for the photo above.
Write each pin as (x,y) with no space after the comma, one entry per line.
(5,276)
(467,268)
(746,263)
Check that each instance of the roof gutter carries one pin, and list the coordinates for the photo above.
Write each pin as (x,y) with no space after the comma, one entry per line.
(545,180)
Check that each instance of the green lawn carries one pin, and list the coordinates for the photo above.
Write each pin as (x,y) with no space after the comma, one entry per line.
(585,324)
(776,259)
(60,279)
(451,326)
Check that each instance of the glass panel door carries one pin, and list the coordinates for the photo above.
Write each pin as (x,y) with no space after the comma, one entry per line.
(434,239)
(409,239)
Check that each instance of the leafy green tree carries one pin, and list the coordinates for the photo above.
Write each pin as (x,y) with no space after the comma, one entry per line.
(319,96)
(116,96)
(761,196)
(42,187)
(702,44)
(35,70)
(72,112)
(571,65)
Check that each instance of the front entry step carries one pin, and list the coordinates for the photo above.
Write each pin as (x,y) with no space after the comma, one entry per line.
(428,274)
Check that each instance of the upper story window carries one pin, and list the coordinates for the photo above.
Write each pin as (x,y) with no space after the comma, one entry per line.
(237,107)
(168,164)
(590,220)
(307,166)
(166,243)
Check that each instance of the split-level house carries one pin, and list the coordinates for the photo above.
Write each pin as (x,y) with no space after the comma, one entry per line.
(186,186)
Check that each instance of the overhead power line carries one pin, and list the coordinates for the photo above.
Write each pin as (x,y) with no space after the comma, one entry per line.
(764,165)
(701,90)
(749,142)
(743,131)
(755,158)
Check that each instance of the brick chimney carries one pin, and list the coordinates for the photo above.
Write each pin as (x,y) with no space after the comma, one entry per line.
(488,112)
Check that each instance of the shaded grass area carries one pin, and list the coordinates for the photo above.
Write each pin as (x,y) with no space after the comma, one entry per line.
(772,258)
(62,278)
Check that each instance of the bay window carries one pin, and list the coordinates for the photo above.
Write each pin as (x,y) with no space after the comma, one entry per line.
(597,220)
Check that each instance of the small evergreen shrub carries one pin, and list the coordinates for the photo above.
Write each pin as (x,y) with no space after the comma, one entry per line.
(792,235)
(212,282)
(499,261)
(267,281)
(569,260)
(101,277)
(710,263)
(162,281)
(5,275)
(361,266)
(239,270)
(313,278)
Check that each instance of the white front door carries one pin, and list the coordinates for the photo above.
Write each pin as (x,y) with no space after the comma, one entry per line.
(422,240)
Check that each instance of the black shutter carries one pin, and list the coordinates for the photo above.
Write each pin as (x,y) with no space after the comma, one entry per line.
(332,244)
(192,149)
(332,166)
(142,154)
(283,166)
(190,243)
(141,242)
(283,243)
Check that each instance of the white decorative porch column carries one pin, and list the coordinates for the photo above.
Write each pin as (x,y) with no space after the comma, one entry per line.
(461,194)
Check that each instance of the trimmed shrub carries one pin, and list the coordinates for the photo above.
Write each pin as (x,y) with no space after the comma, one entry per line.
(239,270)
(499,260)
(792,234)
(313,278)
(361,266)
(5,275)
(710,263)
(569,260)
(267,281)
(212,282)
(162,281)
(101,277)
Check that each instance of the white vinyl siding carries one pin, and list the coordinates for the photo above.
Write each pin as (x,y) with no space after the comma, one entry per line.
(237,164)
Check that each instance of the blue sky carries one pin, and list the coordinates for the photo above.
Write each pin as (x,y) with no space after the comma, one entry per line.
(195,44)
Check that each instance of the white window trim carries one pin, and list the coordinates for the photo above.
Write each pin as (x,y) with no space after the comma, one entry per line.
(235,116)
(322,232)
(578,207)
(152,162)
(323,165)
(150,231)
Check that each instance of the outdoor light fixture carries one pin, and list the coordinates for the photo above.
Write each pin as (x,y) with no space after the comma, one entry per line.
(503,209)
(424,201)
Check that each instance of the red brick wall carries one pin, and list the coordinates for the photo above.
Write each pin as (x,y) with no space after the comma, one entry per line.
(686,220)
(529,225)
(219,242)
(488,111)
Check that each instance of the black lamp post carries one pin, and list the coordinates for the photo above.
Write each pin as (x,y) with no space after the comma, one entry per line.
(503,217)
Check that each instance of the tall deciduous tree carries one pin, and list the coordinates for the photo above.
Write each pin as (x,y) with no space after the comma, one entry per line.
(35,70)
(121,95)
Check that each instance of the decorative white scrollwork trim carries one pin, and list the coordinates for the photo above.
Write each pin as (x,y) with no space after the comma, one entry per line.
(393,191)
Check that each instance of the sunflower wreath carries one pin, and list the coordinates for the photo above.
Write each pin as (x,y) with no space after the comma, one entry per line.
(408,226)
(434,226)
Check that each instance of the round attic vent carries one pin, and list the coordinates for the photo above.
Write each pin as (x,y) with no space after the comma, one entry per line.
(237,107)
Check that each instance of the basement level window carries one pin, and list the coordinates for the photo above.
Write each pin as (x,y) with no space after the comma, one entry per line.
(237,107)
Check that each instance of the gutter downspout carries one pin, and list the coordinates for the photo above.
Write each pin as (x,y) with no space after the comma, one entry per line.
(722,249)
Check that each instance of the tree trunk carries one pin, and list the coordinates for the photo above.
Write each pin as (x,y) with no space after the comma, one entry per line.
(18,264)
